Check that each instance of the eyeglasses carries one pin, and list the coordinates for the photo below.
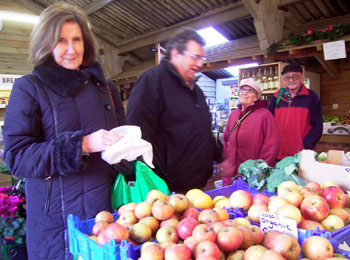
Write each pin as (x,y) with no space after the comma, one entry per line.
(294,77)
(247,91)
(196,57)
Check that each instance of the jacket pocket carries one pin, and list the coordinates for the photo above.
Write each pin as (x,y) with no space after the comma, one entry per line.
(48,195)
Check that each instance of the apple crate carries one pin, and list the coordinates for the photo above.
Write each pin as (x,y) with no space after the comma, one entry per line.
(81,245)
(342,235)
(239,184)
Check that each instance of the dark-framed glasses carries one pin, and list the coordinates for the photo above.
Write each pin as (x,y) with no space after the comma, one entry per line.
(247,91)
(293,77)
(196,57)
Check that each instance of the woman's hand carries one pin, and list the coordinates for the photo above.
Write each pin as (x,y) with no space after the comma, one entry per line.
(225,169)
(99,141)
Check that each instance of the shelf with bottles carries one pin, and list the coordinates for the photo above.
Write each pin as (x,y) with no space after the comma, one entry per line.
(268,75)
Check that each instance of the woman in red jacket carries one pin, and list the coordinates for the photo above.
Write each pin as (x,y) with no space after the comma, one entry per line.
(251,132)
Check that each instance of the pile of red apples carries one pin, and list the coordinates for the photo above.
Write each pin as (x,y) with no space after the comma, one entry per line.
(170,228)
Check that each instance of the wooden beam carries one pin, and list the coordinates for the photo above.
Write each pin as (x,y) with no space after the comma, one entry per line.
(225,14)
(31,6)
(268,21)
(329,65)
(226,63)
(95,6)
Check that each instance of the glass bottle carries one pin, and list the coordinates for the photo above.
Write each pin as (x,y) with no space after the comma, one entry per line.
(276,83)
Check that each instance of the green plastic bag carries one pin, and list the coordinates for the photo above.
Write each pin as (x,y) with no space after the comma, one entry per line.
(146,180)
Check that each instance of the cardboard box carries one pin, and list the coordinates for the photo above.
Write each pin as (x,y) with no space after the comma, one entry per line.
(312,170)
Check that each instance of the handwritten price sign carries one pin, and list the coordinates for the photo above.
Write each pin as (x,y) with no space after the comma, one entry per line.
(270,221)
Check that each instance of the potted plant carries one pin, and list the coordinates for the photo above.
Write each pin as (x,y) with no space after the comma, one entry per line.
(12,213)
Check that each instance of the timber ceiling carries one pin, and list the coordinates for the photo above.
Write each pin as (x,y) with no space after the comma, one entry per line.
(133,27)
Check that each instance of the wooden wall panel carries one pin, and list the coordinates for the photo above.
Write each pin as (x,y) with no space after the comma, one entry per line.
(335,92)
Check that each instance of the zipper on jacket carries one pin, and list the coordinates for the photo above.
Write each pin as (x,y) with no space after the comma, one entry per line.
(48,194)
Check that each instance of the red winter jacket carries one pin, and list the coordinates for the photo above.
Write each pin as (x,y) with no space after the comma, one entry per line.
(257,137)
(299,123)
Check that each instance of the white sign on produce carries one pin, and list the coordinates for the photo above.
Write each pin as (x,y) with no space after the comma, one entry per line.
(270,221)
(6,81)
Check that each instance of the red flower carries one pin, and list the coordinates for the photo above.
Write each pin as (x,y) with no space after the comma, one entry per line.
(329,27)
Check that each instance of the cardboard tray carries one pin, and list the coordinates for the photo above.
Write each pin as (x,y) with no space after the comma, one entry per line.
(312,170)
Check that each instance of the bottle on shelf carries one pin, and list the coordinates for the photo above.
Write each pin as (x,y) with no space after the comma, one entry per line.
(259,76)
(264,80)
(254,75)
(276,84)
(270,79)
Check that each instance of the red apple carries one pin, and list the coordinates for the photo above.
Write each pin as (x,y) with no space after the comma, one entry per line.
(254,252)
(143,209)
(127,216)
(169,222)
(191,243)
(167,233)
(275,203)
(191,212)
(287,246)
(290,211)
(332,223)
(292,195)
(306,192)
(308,224)
(117,232)
(229,239)
(208,216)
(316,247)
(248,237)
(271,255)
(236,255)
(162,210)
(269,237)
(177,252)
(140,233)
(255,210)
(152,252)
(342,213)
(315,186)
(98,227)
(287,184)
(218,225)
(154,195)
(241,199)
(203,232)
(152,222)
(314,208)
(223,213)
(179,202)
(258,234)
(185,227)
(334,196)
(260,198)
(207,248)
(231,222)
(104,216)
(129,206)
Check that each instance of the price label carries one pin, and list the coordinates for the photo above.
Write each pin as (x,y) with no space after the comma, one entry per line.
(270,221)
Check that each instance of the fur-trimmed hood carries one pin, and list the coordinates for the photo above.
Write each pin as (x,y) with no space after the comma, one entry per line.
(65,81)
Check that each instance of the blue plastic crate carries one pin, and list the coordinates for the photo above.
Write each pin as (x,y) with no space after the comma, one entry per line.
(81,245)
(342,235)
(239,184)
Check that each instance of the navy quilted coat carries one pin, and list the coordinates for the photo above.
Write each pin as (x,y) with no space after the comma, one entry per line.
(47,116)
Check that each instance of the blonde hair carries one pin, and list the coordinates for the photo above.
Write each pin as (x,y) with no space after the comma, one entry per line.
(46,33)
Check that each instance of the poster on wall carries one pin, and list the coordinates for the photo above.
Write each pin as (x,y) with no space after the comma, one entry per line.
(6,81)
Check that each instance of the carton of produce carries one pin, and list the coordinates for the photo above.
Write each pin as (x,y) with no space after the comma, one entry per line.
(337,168)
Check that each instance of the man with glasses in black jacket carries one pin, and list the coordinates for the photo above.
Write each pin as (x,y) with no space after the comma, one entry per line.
(173,115)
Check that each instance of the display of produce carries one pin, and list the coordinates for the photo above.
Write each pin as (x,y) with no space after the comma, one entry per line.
(194,226)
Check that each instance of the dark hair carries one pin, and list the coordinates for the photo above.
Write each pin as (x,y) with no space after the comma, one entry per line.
(46,33)
(180,39)
(294,67)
